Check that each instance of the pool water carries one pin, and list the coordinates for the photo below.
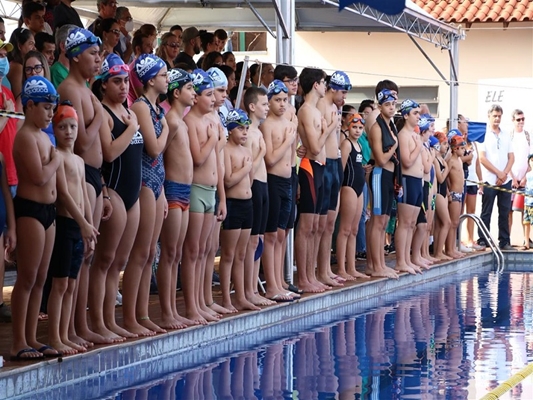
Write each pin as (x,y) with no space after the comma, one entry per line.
(451,339)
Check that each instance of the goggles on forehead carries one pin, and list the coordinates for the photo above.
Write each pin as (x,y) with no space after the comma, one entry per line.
(277,90)
(408,104)
(117,69)
(355,120)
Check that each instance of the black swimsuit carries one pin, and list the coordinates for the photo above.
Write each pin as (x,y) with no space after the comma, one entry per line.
(354,174)
(442,188)
(123,175)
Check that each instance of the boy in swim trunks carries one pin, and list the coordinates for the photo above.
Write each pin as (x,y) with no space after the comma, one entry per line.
(412,173)
(236,227)
(178,179)
(338,87)
(37,162)
(75,235)
(279,135)
(383,142)
(456,180)
(83,51)
(314,132)
(257,106)
(203,138)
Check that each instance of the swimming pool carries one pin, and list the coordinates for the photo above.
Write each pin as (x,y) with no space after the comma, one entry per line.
(453,338)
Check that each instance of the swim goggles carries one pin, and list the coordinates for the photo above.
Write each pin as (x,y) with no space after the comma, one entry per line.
(408,105)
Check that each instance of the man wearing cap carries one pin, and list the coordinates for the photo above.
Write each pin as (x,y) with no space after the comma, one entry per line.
(8,129)
(191,47)
(496,156)
(106,9)
(329,106)
(83,51)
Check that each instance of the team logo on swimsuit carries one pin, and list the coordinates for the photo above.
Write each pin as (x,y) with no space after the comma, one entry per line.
(144,66)
(35,86)
(359,158)
(137,138)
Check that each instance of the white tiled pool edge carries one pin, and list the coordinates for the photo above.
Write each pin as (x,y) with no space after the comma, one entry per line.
(106,369)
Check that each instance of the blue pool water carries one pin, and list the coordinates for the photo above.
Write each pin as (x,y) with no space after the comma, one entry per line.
(451,339)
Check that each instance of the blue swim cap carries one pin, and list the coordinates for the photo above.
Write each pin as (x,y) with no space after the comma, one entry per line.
(385,96)
(113,66)
(433,141)
(39,90)
(218,77)
(201,81)
(425,122)
(340,81)
(452,133)
(177,78)
(237,117)
(147,66)
(407,105)
(79,40)
(276,87)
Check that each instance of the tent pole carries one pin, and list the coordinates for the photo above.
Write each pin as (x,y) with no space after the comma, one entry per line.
(454,78)
(241,82)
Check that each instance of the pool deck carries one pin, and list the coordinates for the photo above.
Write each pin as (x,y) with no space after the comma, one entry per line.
(106,369)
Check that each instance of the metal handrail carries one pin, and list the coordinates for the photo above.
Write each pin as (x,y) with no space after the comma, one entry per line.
(500,260)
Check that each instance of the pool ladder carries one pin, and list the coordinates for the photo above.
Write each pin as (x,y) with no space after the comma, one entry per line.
(500,261)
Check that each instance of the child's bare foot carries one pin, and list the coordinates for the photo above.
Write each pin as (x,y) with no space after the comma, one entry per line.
(385,272)
(75,339)
(63,348)
(106,333)
(406,268)
(259,300)
(121,331)
(219,309)
(75,346)
(171,323)
(230,307)
(196,318)
(338,278)
(138,329)
(443,257)
(327,281)
(245,305)
(345,275)
(209,317)
(184,321)
(93,337)
(358,275)
(148,324)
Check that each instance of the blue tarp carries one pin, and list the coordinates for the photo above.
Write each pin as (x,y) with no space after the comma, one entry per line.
(476,131)
(389,7)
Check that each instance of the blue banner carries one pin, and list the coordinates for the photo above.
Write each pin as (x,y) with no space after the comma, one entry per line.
(389,7)
(476,131)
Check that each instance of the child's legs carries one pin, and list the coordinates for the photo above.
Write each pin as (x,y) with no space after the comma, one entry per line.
(269,262)
(56,310)
(179,255)
(444,224)
(279,258)
(111,232)
(351,247)
(66,314)
(139,256)
(144,289)
(228,240)
(455,211)
(237,275)
(121,258)
(404,233)
(347,217)
(213,243)
(189,275)
(250,279)
(166,284)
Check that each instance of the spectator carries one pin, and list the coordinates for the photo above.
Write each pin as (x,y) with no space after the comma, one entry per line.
(5,81)
(50,5)
(208,45)
(168,49)
(59,70)
(230,75)
(142,44)
(496,156)
(106,9)
(45,44)
(191,47)
(22,41)
(267,75)
(213,59)
(229,59)
(33,17)
(65,14)
(178,32)
(125,21)
(109,31)
(254,74)
(221,37)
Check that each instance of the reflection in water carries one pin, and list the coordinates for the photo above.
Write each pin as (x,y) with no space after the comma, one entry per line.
(456,342)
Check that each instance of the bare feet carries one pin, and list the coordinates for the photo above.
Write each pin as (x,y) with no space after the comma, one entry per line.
(442,257)
(138,329)
(383,273)
(107,334)
(171,323)
(219,309)
(345,275)
(183,320)
(421,263)
(210,317)
(310,288)
(230,307)
(196,318)
(63,348)
(245,305)
(93,337)
(358,275)
(121,331)
(406,268)
(259,300)
(148,324)
(75,346)
(327,281)
(338,278)
(75,339)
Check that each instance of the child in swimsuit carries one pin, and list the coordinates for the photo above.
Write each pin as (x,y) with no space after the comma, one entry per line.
(528,203)
(351,198)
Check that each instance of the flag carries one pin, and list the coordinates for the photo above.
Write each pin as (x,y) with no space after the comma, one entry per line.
(389,7)
(476,131)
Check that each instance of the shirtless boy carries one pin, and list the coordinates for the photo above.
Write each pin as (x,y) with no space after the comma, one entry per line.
(257,106)
(37,162)
(279,135)
(83,51)
(203,138)
(329,106)
(413,186)
(238,223)
(178,179)
(456,180)
(75,234)
(314,132)
(383,142)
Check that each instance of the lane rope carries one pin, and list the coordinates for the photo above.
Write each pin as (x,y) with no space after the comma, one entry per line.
(509,383)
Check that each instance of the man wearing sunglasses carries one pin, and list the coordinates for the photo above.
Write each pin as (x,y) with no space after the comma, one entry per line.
(83,51)
(496,156)
(338,87)
(106,9)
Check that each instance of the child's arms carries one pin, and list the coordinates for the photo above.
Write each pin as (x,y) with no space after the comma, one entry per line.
(200,153)
(111,149)
(233,176)
(154,145)
(10,237)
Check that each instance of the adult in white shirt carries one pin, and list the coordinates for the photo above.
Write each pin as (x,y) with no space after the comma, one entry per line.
(496,157)
(521,146)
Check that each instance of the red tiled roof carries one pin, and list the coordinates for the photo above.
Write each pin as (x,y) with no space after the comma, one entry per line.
(478,10)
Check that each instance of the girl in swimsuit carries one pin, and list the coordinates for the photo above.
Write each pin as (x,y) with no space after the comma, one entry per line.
(442,222)
(152,72)
(351,205)
(122,146)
